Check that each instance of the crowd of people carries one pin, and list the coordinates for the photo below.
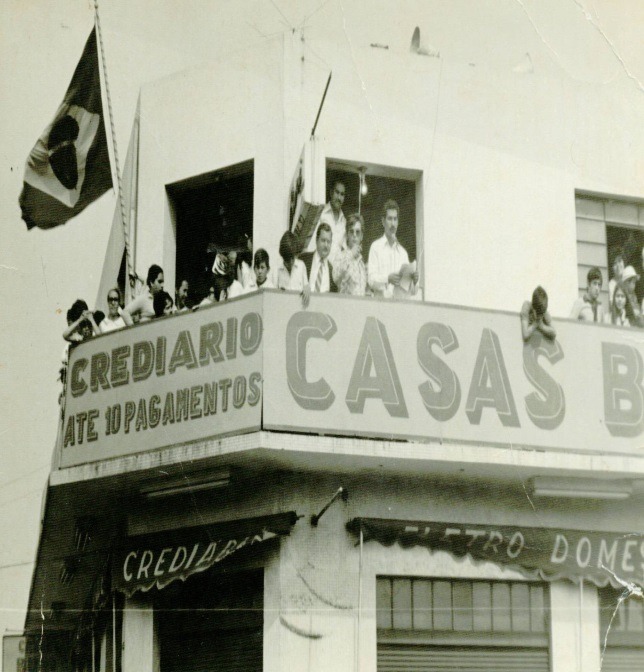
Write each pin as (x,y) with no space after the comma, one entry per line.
(333,261)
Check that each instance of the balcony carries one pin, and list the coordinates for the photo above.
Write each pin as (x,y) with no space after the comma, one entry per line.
(423,377)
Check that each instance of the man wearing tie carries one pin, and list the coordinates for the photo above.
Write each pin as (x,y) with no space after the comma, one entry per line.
(318,267)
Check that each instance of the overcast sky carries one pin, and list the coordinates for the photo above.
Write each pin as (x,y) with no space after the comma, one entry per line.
(42,272)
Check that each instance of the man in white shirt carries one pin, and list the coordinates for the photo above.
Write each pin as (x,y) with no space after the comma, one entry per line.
(387,257)
(319,270)
(333,216)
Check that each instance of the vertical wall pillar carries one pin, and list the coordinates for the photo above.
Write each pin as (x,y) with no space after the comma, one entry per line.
(140,646)
(574,628)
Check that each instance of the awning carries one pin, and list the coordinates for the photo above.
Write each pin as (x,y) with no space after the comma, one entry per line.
(549,554)
(158,559)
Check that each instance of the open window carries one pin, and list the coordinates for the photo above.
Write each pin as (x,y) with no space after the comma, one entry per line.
(607,227)
(368,187)
(213,213)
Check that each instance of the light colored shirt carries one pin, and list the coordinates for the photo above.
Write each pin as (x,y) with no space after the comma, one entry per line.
(325,285)
(338,230)
(385,259)
(268,284)
(108,324)
(350,274)
(295,280)
(583,310)
(142,305)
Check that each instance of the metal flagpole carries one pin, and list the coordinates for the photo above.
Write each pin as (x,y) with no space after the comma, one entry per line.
(126,233)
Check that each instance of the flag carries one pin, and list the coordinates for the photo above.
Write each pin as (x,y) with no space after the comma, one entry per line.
(69,166)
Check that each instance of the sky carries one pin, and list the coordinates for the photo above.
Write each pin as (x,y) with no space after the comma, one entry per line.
(43,272)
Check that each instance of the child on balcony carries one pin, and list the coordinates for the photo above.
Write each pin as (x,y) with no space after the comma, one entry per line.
(535,316)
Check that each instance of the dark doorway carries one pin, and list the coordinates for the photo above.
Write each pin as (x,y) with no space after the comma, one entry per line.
(212,622)
(212,213)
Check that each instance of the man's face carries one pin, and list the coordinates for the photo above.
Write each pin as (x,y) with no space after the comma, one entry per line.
(630,284)
(157,285)
(337,196)
(324,244)
(261,272)
(594,288)
(113,304)
(183,290)
(355,235)
(390,224)
(618,267)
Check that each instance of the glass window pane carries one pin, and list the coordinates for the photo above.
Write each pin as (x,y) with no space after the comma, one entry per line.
(501,619)
(482,606)
(442,607)
(422,592)
(537,609)
(520,597)
(402,603)
(383,603)
(462,601)
(635,614)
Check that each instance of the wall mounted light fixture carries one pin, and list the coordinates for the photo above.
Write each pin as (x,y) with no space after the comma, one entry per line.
(580,488)
(187,485)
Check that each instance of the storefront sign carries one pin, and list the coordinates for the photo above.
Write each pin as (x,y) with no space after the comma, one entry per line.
(354,367)
(168,381)
(600,557)
(158,559)
(418,371)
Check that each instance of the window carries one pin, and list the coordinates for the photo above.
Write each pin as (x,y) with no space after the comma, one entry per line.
(622,630)
(432,623)
(212,212)
(380,188)
(603,227)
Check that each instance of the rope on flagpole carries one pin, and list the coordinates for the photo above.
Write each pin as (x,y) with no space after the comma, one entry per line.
(126,234)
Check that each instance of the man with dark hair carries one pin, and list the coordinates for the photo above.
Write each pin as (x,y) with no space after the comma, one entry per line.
(535,316)
(181,296)
(319,270)
(80,323)
(588,308)
(390,274)
(333,216)
(292,273)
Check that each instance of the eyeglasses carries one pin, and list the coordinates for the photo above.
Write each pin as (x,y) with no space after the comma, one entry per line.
(113,299)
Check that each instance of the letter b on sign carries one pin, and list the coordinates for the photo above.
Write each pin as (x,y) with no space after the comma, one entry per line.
(623,391)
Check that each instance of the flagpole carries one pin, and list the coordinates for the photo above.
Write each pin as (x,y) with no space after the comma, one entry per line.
(126,234)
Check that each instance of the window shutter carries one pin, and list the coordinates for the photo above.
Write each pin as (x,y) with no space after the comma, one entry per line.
(404,657)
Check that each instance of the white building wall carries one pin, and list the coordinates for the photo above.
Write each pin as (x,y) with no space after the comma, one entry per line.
(501,152)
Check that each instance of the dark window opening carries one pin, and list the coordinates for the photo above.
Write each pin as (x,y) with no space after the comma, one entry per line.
(212,213)
(379,190)
(630,242)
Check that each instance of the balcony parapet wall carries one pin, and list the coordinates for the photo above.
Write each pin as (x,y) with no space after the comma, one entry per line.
(409,371)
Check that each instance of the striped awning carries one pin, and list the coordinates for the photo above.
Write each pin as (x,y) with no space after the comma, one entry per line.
(600,557)
(155,560)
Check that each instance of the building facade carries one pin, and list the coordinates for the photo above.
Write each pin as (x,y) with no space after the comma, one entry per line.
(361,484)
